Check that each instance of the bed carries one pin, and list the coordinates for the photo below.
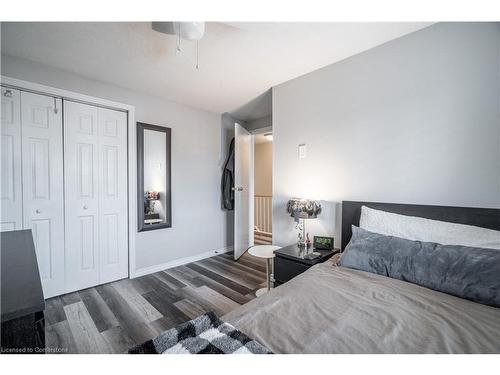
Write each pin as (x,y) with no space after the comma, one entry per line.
(333,309)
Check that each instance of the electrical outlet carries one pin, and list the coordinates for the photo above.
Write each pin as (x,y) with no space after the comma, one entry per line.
(302,151)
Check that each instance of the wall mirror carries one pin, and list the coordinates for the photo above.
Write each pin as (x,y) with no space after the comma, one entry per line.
(153,175)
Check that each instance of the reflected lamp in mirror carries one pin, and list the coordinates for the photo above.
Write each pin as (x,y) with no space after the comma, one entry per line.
(150,215)
(153,175)
(302,209)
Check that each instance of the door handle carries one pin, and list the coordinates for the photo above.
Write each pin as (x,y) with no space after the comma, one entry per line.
(85,207)
(239,188)
(38,211)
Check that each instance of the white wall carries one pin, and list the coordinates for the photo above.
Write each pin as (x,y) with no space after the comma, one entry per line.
(263,168)
(415,120)
(198,223)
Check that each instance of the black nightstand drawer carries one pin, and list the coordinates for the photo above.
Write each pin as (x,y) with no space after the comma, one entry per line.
(289,261)
(285,269)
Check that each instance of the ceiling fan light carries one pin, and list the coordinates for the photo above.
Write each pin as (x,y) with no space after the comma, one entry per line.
(190,30)
(186,30)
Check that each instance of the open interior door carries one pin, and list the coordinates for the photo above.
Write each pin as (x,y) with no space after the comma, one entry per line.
(243,186)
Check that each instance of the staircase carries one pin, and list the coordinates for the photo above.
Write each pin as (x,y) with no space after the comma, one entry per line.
(263,220)
(262,238)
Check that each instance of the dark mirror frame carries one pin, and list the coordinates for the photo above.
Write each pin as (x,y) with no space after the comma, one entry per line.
(140,177)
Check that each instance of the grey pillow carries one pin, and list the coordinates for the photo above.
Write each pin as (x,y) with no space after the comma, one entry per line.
(466,272)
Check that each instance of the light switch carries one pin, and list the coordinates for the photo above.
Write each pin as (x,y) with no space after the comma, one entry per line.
(302,151)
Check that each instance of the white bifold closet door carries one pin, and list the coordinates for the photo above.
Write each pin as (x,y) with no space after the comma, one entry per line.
(43,197)
(11,193)
(32,180)
(95,143)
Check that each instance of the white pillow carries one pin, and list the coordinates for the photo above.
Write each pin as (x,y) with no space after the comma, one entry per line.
(427,230)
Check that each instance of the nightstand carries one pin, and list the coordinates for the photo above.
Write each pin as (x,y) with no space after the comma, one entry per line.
(290,262)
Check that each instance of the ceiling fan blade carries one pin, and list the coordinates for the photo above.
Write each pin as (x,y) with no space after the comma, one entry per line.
(164,27)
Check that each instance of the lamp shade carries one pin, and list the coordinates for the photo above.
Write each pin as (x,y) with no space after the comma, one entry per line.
(300,208)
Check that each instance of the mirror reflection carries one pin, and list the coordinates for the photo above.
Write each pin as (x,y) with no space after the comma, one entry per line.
(155,148)
(154,179)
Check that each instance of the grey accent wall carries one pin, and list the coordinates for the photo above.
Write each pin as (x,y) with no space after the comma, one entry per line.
(415,120)
(227,133)
(258,107)
(260,123)
(198,222)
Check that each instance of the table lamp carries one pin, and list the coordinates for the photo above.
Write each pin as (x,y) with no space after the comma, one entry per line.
(302,209)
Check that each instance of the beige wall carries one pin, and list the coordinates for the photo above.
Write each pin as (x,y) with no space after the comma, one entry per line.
(263,169)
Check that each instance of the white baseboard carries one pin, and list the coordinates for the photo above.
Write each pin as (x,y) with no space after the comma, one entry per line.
(180,262)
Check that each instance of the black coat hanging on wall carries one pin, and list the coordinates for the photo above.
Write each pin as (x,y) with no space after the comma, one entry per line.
(227,180)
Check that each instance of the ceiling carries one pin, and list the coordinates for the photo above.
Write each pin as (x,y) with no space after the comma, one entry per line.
(238,61)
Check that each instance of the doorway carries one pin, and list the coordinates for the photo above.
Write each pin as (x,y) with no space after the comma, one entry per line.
(252,188)
(263,188)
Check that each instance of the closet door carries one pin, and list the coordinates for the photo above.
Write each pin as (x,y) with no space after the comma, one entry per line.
(81,186)
(43,213)
(96,195)
(113,233)
(11,188)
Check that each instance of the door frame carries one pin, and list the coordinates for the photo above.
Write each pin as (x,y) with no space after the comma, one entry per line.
(63,94)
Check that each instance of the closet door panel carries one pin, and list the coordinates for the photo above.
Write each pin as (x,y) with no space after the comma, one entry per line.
(113,195)
(81,168)
(43,199)
(11,187)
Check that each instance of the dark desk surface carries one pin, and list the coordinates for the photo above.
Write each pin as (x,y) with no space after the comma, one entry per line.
(21,291)
(293,252)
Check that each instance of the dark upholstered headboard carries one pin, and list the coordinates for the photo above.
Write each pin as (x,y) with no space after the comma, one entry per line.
(479,217)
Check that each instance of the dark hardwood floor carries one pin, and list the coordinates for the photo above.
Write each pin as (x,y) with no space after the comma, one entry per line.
(113,317)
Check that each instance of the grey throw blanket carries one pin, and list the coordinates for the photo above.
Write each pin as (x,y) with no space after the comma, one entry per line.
(203,335)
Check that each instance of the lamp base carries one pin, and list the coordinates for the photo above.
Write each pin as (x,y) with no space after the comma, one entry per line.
(303,244)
